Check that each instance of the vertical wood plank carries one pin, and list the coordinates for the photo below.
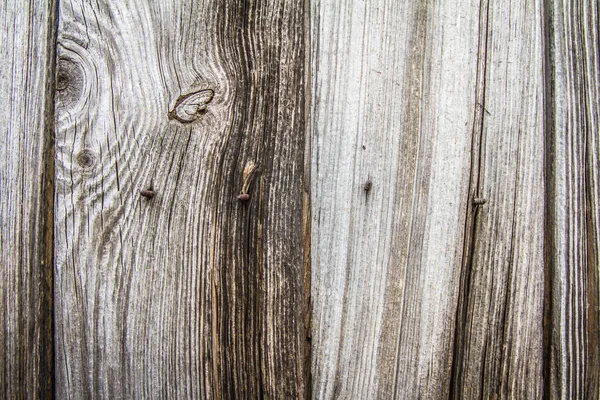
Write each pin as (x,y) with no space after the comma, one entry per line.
(191,293)
(27,34)
(573,202)
(499,343)
(393,103)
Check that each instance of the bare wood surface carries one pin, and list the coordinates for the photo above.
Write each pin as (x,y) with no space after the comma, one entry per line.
(393,104)
(573,199)
(26,179)
(454,232)
(184,290)
(499,344)
(527,250)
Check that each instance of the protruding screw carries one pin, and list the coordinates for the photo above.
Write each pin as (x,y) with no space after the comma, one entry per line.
(478,201)
(244,197)
(368,186)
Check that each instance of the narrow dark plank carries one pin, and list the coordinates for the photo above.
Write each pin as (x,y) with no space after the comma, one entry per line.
(573,199)
(26,198)
(184,290)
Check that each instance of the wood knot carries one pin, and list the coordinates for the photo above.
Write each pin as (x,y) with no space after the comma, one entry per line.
(85,158)
(70,80)
(191,106)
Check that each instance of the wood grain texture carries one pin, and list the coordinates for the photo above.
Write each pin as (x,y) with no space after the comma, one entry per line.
(499,342)
(478,126)
(27,35)
(393,103)
(191,293)
(573,199)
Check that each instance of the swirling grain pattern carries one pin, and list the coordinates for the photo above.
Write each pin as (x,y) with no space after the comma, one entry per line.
(424,175)
(188,293)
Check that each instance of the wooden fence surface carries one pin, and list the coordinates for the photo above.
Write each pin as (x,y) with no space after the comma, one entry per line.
(26,198)
(191,291)
(418,285)
(300,199)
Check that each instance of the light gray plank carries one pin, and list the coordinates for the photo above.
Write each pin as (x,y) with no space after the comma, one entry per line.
(26,174)
(393,102)
(192,293)
(499,343)
(572,140)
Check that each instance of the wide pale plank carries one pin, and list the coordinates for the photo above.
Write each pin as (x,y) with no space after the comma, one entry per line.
(393,104)
(27,34)
(573,199)
(499,345)
(191,292)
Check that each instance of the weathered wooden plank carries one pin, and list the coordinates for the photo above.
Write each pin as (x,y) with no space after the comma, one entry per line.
(573,199)
(393,103)
(26,175)
(189,293)
(499,342)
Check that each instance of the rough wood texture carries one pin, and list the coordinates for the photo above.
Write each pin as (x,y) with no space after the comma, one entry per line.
(189,292)
(573,200)
(499,342)
(26,338)
(454,232)
(393,103)
(484,197)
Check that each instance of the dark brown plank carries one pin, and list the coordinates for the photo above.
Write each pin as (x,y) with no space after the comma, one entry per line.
(572,107)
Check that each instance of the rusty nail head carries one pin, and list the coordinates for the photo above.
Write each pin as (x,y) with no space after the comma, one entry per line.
(147,193)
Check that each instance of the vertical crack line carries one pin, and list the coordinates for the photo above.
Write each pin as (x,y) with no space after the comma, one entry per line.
(259,300)
(306,206)
(46,326)
(548,168)
(470,226)
(215,331)
(590,287)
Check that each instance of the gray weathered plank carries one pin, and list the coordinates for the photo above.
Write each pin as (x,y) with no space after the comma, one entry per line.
(573,199)
(190,293)
(393,102)
(499,343)
(527,317)
(26,176)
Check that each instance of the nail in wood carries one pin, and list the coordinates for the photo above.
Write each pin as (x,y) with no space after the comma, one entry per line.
(147,193)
